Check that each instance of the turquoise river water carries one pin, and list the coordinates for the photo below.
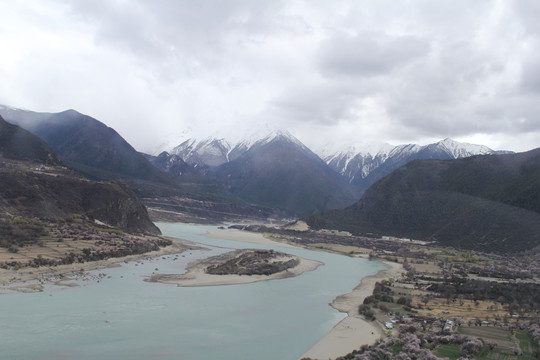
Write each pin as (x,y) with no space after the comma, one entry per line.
(123,317)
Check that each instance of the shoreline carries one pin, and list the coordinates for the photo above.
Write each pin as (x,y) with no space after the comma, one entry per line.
(347,335)
(354,330)
(249,237)
(197,276)
(29,279)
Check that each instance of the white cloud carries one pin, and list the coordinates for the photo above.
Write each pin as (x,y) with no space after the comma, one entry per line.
(377,70)
(369,54)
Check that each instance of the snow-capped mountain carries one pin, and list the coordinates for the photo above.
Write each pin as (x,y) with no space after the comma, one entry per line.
(459,150)
(171,164)
(269,167)
(363,167)
(356,160)
(215,150)
(207,152)
(359,165)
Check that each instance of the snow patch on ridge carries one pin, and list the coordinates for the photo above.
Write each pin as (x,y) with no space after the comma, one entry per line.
(459,150)
(225,146)
(359,160)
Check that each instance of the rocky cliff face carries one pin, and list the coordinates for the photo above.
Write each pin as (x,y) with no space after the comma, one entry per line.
(115,204)
(34,184)
(33,190)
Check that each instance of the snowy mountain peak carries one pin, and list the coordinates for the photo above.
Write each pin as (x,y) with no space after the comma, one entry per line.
(334,148)
(276,134)
(357,164)
(209,151)
(5,107)
(170,141)
(459,150)
(227,146)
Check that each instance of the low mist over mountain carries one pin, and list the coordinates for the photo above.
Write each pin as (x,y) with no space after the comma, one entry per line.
(267,168)
(487,203)
(171,164)
(219,149)
(99,152)
(205,153)
(17,143)
(363,165)
(86,144)
(271,168)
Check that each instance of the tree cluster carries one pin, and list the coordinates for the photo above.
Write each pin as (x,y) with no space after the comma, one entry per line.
(534,330)
(517,296)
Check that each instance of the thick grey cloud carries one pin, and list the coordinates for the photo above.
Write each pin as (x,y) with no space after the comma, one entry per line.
(380,70)
(369,54)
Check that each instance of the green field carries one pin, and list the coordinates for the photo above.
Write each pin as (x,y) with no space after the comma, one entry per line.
(505,340)
(453,352)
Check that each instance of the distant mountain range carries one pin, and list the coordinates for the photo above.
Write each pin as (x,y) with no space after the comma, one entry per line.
(216,151)
(479,202)
(100,153)
(362,166)
(489,203)
(279,184)
(270,168)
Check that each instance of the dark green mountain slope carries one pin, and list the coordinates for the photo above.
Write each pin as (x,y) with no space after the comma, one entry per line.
(99,152)
(487,203)
(282,174)
(88,146)
(17,143)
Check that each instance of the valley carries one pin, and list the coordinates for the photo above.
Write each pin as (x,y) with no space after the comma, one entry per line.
(456,223)
(443,299)
(270,180)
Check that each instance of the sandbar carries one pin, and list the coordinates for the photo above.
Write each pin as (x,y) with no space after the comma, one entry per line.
(197,276)
(250,237)
(354,330)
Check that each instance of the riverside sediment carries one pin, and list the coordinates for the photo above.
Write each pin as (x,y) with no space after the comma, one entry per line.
(198,271)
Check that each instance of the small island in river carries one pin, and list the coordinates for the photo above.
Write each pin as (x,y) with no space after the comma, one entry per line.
(239,267)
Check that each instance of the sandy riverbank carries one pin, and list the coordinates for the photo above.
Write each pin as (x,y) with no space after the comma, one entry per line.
(346,336)
(353,331)
(197,276)
(244,236)
(29,279)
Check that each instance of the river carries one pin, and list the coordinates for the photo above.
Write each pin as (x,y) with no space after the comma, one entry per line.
(120,316)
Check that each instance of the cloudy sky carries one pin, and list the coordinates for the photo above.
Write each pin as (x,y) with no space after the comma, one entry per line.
(337,70)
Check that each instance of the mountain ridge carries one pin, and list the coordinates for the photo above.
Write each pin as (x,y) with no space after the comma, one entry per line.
(99,152)
(34,184)
(213,151)
(489,202)
(87,145)
(17,143)
(362,168)
(281,172)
